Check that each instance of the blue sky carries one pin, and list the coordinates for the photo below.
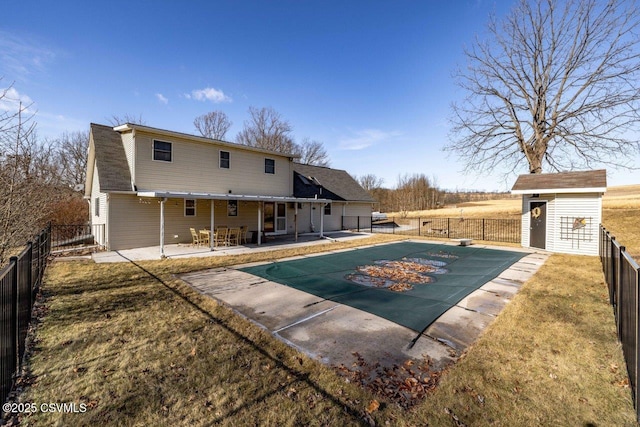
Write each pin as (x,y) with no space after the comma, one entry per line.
(369,79)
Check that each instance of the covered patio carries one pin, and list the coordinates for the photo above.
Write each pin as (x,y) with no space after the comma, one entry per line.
(182,250)
(268,222)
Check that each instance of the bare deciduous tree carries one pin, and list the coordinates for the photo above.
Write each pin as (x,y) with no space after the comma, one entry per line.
(370,182)
(72,149)
(267,129)
(313,153)
(116,120)
(554,87)
(27,174)
(214,124)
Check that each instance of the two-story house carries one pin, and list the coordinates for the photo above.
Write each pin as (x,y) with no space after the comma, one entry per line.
(149,186)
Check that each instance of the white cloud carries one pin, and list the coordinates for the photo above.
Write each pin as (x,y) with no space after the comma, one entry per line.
(21,57)
(365,138)
(10,100)
(162,99)
(208,94)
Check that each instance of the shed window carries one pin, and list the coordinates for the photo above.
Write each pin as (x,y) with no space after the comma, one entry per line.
(189,207)
(269,166)
(224,159)
(162,151)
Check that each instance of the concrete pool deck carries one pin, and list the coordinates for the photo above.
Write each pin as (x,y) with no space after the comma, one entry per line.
(333,333)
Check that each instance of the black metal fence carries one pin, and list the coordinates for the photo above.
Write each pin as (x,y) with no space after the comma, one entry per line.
(67,237)
(494,230)
(19,283)
(356,223)
(622,275)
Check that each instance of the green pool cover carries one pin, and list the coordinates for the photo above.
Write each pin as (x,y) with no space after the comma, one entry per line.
(456,271)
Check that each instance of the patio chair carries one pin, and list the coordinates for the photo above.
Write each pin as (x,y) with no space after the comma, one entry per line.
(243,234)
(194,236)
(204,237)
(233,238)
(220,236)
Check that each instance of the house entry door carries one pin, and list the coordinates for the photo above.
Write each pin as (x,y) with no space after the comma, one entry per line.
(538,225)
(275,217)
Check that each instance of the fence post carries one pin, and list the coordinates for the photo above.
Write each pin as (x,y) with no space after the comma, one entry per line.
(30,273)
(13,261)
(448,227)
(618,274)
(483,229)
(419,223)
(358,223)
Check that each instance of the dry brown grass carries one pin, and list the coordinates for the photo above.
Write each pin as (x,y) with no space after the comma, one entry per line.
(491,209)
(551,358)
(140,347)
(621,216)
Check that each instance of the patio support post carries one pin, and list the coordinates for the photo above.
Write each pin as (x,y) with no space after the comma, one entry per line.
(259,218)
(295,219)
(162,202)
(322,219)
(211,234)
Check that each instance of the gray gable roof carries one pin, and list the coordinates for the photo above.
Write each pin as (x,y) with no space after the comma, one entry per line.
(111,160)
(339,183)
(563,182)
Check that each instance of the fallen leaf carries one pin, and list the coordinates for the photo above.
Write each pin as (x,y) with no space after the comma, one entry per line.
(373,406)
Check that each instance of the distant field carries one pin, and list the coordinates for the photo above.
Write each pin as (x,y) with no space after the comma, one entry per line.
(620,211)
(621,216)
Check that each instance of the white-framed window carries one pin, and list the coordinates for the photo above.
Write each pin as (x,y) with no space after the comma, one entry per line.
(269,166)
(162,151)
(225,160)
(327,209)
(96,206)
(189,207)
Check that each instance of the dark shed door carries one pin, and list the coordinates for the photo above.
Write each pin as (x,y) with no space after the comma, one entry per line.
(538,227)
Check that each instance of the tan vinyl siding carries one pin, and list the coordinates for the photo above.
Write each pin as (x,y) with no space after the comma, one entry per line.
(135,222)
(195,168)
(100,219)
(129,149)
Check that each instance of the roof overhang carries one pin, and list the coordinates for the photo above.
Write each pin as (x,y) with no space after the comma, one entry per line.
(222,196)
(560,190)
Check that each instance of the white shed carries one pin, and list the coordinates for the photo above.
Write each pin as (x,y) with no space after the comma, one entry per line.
(561,212)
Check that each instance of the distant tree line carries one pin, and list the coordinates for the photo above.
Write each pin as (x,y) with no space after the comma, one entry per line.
(417,192)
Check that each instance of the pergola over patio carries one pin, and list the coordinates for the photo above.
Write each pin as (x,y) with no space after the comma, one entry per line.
(259,199)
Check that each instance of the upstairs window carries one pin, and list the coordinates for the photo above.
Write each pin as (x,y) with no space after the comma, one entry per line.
(162,151)
(269,166)
(224,159)
(189,207)
(96,205)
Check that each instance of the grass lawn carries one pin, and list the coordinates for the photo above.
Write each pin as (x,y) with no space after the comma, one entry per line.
(139,347)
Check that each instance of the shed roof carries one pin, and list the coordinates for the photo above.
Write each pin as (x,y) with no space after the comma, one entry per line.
(594,181)
(337,183)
